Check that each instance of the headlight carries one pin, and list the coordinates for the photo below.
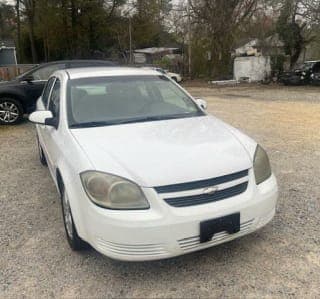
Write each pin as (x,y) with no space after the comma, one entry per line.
(113,192)
(261,165)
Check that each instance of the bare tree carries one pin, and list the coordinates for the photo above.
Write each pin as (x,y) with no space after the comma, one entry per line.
(29,10)
(311,10)
(294,26)
(216,23)
(17,8)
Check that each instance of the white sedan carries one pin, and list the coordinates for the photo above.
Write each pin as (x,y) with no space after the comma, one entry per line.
(174,76)
(143,171)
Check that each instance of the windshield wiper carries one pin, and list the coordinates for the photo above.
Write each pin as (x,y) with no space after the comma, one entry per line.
(89,124)
(112,122)
(131,120)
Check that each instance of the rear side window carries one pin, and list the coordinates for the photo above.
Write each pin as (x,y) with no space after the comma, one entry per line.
(46,92)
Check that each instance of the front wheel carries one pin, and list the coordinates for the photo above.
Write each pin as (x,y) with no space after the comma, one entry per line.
(11,111)
(75,242)
(42,157)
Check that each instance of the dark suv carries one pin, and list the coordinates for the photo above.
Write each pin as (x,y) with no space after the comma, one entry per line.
(19,95)
(301,75)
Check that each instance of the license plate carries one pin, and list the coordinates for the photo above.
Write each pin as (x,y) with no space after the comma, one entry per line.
(208,228)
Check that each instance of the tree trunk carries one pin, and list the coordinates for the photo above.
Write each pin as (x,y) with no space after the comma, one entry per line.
(32,42)
(74,28)
(18,31)
(295,56)
(66,31)
(30,13)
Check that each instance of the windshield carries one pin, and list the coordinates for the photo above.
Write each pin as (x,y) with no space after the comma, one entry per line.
(117,100)
(305,66)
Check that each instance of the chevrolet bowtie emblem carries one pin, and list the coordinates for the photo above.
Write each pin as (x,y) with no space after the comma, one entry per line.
(210,190)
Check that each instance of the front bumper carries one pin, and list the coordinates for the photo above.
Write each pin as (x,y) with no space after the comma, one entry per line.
(164,231)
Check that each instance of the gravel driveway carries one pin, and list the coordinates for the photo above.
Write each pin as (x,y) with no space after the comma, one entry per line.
(282,259)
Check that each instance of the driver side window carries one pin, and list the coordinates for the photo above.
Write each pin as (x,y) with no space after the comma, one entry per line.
(54,103)
(46,92)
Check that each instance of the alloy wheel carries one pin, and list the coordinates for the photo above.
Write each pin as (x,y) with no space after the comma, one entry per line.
(40,150)
(67,215)
(9,112)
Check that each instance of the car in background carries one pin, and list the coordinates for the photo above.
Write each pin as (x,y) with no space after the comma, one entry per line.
(301,75)
(315,78)
(19,96)
(174,76)
(143,172)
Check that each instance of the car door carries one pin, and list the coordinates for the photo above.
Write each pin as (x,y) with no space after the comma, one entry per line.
(49,134)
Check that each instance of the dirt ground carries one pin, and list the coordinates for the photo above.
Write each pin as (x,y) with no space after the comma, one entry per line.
(280,260)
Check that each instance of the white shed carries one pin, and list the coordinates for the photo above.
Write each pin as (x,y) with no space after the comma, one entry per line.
(252,68)
(7,53)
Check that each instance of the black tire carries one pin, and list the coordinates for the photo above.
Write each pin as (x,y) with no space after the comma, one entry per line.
(266,81)
(11,111)
(175,79)
(75,242)
(42,157)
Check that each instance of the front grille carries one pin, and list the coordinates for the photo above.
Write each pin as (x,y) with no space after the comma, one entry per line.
(202,183)
(186,201)
(195,193)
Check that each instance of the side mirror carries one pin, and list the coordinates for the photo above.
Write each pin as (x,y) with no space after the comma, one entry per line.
(202,104)
(42,118)
(28,78)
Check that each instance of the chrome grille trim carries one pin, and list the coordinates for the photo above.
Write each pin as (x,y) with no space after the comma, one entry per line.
(190,243)
(132,249)
(200,191)
(193,200)
(201,183)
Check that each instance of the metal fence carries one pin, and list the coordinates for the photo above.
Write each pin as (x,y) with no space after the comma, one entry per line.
(11,71)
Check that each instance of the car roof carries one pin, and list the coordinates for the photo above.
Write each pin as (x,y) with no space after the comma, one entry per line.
(100,63)
(90,72)
(312,61)
(107,62)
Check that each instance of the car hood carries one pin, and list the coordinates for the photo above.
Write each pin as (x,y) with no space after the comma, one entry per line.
(164,152)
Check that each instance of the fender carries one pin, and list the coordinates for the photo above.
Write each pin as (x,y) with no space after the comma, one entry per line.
(63,179)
